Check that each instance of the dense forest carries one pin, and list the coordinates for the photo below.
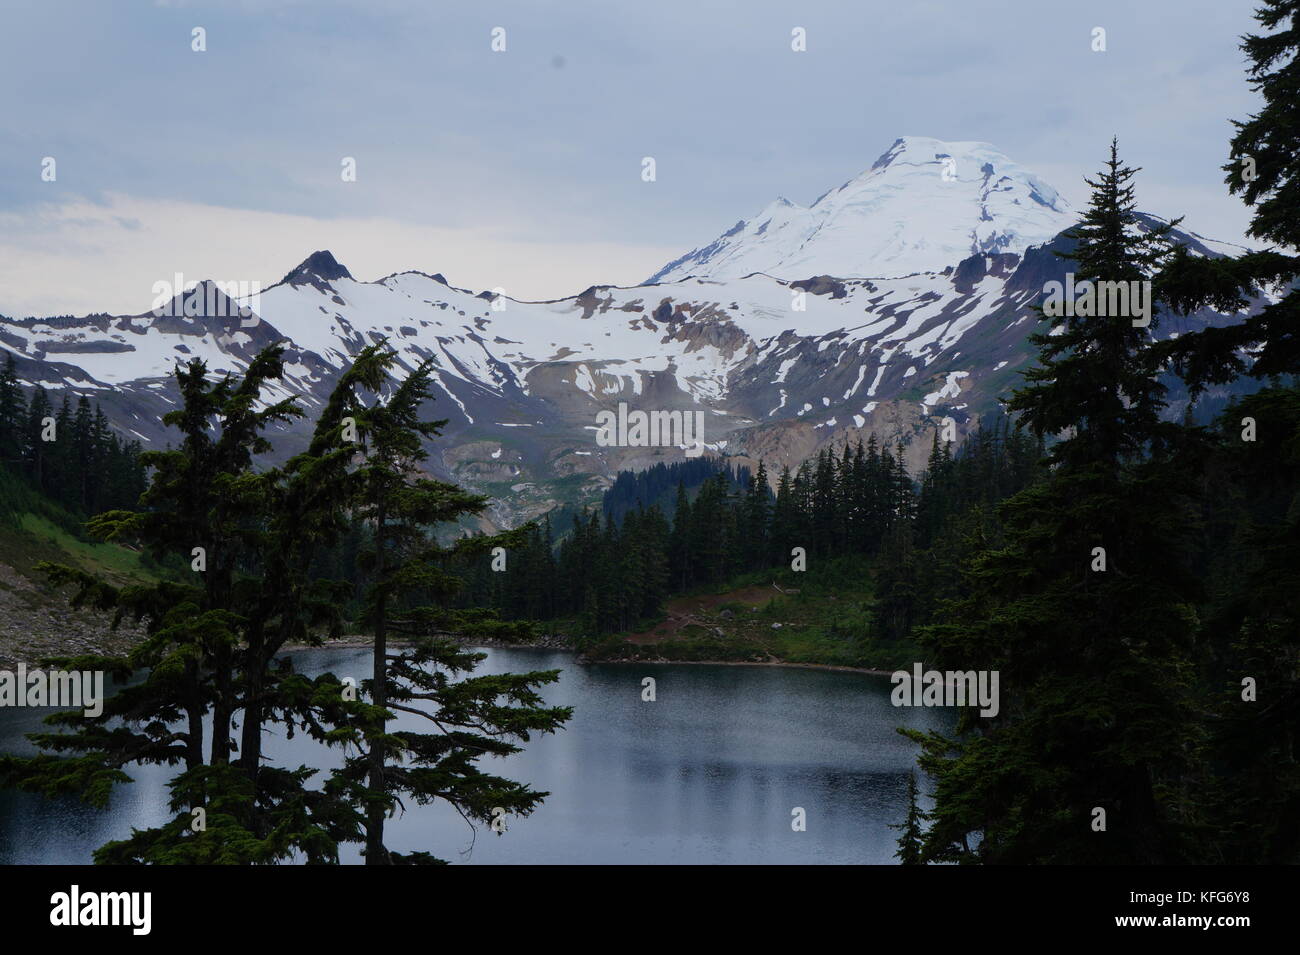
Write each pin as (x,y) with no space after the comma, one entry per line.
(1133,577)
(71,456)
(608,574)
(633,490)
(1142,602)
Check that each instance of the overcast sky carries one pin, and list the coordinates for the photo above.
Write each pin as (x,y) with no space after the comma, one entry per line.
(522,169)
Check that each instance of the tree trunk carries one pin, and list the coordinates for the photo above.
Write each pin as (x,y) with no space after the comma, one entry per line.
(221,710)
(376,854)
(250,742)
(219,595)
(194,710)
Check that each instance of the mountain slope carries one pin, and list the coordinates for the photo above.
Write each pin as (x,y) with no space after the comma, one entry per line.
(778,367)
(923,205)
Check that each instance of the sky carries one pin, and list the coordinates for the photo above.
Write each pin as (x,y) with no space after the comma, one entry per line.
(521,169)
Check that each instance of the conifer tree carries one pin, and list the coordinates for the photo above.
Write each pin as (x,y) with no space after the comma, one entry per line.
(411,597)
(1085,609)
(1255,607)
(785,519)
(203,503)
(210,651)
(755,521)
(90,458)
(36,447)
(910,839)
(11,416)
(62,477)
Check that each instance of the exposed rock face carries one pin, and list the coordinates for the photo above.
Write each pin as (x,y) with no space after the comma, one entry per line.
(779,366)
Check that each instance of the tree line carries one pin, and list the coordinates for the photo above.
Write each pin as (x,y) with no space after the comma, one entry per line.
(71,455)
(617,565)
(1134,580)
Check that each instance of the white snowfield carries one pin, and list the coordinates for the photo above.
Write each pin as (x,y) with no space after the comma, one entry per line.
(722,319)
(611,337)
(923,205)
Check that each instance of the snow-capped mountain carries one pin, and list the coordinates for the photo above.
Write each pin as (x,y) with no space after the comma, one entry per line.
(779,365)
(922,206)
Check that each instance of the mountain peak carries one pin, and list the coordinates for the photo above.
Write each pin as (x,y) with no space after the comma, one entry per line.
(321,266)
(202,300)
(916,150)
(957,161)
(923,205)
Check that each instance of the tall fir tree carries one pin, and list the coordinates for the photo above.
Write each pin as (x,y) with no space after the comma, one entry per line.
(1255,564)
(1085,610)
(201,503)
(410,596)
(39,412)
(911,835)
(12,424)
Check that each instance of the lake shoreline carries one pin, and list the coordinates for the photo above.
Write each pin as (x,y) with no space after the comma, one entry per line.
(708,775)
(365,643)
(753,663)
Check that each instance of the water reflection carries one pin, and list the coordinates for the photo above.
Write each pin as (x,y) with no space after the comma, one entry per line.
(709,773)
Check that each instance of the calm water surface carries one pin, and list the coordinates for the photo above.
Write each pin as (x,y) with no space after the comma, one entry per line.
(709,773)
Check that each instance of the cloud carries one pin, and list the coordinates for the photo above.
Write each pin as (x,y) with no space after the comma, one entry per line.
(76,256)
(499,169)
